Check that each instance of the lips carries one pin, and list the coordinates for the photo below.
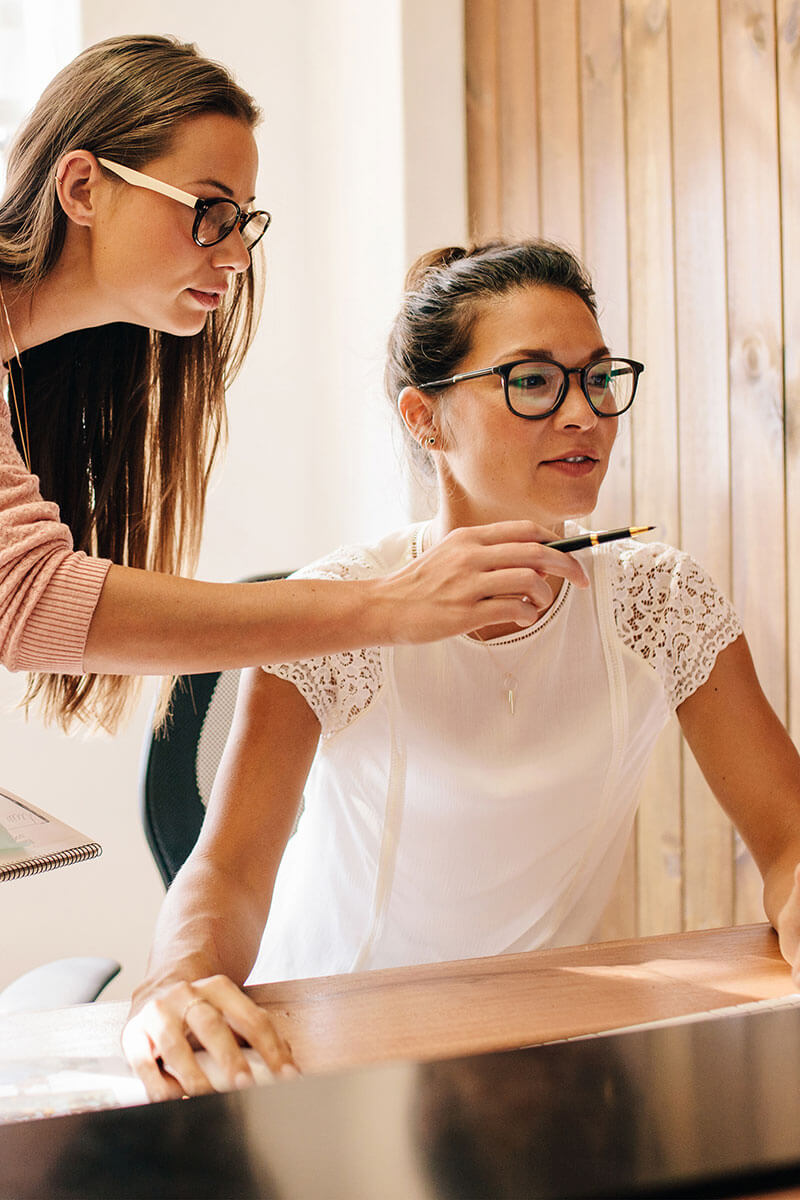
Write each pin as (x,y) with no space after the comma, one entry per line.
(574,465)
(576,457)
(209,300)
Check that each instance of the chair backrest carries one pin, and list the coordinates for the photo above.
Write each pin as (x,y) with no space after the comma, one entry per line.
(181,760)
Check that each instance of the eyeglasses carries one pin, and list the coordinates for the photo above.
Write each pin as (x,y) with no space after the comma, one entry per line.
(214,219)
(536,388)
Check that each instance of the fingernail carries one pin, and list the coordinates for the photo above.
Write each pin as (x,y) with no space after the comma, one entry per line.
(244,1080)
(289,1071)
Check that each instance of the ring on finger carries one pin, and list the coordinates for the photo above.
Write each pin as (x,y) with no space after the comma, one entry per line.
(190,1005)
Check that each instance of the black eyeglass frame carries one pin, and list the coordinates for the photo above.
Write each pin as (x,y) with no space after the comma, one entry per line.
(504,371)
(242,219)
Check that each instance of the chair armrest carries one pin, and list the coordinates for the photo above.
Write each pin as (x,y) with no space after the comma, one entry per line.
(58,984)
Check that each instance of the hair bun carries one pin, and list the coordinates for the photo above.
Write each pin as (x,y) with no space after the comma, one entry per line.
(432,261)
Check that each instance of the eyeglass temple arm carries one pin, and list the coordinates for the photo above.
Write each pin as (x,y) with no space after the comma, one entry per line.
(146,181)
(458,378)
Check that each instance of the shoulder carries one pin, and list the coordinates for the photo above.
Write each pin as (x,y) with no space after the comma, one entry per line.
(654,575)
(670,612)
(340,687)
(360,561)
(634,558)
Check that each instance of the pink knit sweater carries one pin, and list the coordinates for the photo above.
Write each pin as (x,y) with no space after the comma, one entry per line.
(48,592)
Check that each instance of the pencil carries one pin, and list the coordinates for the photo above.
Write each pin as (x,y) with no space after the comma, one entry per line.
(594,539)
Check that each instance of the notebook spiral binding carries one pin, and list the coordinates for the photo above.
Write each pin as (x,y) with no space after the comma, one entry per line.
(61,858)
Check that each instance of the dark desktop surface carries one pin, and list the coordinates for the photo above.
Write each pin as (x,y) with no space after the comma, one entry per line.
(703,1109)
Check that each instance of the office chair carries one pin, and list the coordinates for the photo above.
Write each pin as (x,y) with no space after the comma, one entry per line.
(179,763)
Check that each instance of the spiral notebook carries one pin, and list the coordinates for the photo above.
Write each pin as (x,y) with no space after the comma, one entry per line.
(32,840)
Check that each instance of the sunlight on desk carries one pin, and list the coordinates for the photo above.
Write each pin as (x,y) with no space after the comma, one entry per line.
(422,1013)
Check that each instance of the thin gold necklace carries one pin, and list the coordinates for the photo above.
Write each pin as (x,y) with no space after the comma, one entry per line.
(510,683)
(22,418)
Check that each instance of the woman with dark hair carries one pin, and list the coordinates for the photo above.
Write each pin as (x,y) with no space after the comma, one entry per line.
(128,297)
(474,796)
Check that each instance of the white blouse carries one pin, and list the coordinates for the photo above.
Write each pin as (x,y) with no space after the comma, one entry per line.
(440,825)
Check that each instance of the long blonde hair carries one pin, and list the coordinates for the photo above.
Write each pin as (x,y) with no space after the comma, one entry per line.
(124,422)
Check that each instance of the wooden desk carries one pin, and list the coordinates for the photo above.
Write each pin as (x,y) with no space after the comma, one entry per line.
(465,1007)
(418,1013)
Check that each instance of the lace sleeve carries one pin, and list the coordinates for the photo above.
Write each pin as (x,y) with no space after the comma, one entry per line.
(336,687)
(668,610)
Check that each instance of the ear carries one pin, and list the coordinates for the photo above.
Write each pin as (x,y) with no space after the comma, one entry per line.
(415,409)
(77,175)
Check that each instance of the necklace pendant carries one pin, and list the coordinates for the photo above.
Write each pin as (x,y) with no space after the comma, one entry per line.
(511,683)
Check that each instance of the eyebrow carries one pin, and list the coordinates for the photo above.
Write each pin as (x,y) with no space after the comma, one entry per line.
(223,187)
(542,353)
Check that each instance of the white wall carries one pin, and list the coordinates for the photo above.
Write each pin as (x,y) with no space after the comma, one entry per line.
(362,166)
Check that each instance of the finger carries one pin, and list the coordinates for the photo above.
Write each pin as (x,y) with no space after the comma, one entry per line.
(262,1035)
(535,557)
(504,610)
(506,532)
(516,581)
(254,1025)
(141,1055)
(213,1029)
(168,1033)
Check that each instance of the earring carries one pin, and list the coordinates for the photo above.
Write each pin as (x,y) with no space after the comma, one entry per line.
(431,440)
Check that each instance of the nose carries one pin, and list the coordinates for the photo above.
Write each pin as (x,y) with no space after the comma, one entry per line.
(575,412)
(231,252)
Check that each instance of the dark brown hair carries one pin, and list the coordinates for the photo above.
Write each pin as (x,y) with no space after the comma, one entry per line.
(445,293)
(124,422)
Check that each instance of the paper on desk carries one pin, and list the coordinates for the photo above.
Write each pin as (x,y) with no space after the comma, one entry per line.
(51,1087)
(7,842)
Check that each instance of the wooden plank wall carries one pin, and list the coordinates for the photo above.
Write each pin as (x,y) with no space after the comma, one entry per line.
(658,138)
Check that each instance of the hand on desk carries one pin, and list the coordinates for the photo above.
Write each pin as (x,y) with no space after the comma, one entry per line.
(160,1039)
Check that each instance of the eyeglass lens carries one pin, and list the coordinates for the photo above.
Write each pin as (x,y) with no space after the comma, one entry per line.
(535,387)
(220,219)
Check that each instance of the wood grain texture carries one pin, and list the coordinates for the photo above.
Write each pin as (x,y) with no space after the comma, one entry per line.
(749,99)
(519,120)
(462,1007)
(559,105)
(703,414)
(484,204)
(788,38)
(655,427)
(521,999)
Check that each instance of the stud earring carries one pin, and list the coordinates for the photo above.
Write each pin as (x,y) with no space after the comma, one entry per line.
(432,440)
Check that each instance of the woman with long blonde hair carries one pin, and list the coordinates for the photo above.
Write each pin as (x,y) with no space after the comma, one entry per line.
(128,297)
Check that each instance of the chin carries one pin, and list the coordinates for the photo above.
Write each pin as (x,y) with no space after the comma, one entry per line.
(185,326)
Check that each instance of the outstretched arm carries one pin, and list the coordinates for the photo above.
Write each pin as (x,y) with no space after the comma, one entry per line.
(61,612)
(210,925)
(487,575)
(753,768)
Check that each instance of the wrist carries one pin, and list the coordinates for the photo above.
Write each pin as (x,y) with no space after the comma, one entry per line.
(376,612)
(187,970)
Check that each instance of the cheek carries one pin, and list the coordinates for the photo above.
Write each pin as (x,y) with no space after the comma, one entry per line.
(610,434)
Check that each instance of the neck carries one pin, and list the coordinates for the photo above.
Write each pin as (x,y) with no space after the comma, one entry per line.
(447,519)
(65,300)
(450,516)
